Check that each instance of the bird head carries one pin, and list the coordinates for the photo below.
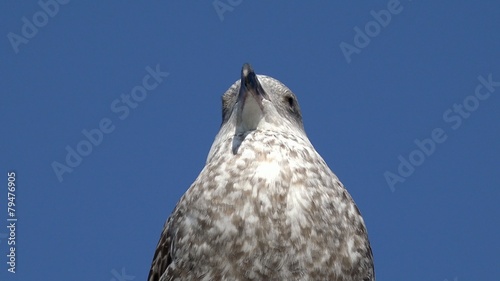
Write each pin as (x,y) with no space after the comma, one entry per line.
(259,102)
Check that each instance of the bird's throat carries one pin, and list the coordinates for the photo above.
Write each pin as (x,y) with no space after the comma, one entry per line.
(250,115)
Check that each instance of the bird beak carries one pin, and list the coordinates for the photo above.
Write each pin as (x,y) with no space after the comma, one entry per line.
(250,87)
(250,105)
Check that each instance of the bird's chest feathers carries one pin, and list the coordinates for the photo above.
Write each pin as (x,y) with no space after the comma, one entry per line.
(263,164)
(259,165)
(268,171)
(263,182)
(262,185)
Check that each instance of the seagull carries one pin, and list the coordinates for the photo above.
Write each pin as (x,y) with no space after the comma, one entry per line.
(266,206)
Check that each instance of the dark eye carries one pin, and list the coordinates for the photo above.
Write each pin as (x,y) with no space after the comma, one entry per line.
(292,107)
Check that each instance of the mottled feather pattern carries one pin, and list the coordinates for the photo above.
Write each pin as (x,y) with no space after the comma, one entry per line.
(265,207)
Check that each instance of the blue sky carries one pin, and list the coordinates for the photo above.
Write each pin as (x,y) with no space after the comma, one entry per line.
(400,98)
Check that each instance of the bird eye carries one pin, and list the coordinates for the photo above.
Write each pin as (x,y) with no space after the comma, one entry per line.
(291,101)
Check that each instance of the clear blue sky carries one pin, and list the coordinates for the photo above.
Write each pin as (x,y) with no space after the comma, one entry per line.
(405,110)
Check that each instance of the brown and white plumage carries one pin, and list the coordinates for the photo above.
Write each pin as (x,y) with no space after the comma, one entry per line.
(265,206)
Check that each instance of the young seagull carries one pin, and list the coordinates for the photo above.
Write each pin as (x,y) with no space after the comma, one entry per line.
(265,206)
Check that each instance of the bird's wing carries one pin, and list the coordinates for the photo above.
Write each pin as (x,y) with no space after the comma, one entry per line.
(162,257)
